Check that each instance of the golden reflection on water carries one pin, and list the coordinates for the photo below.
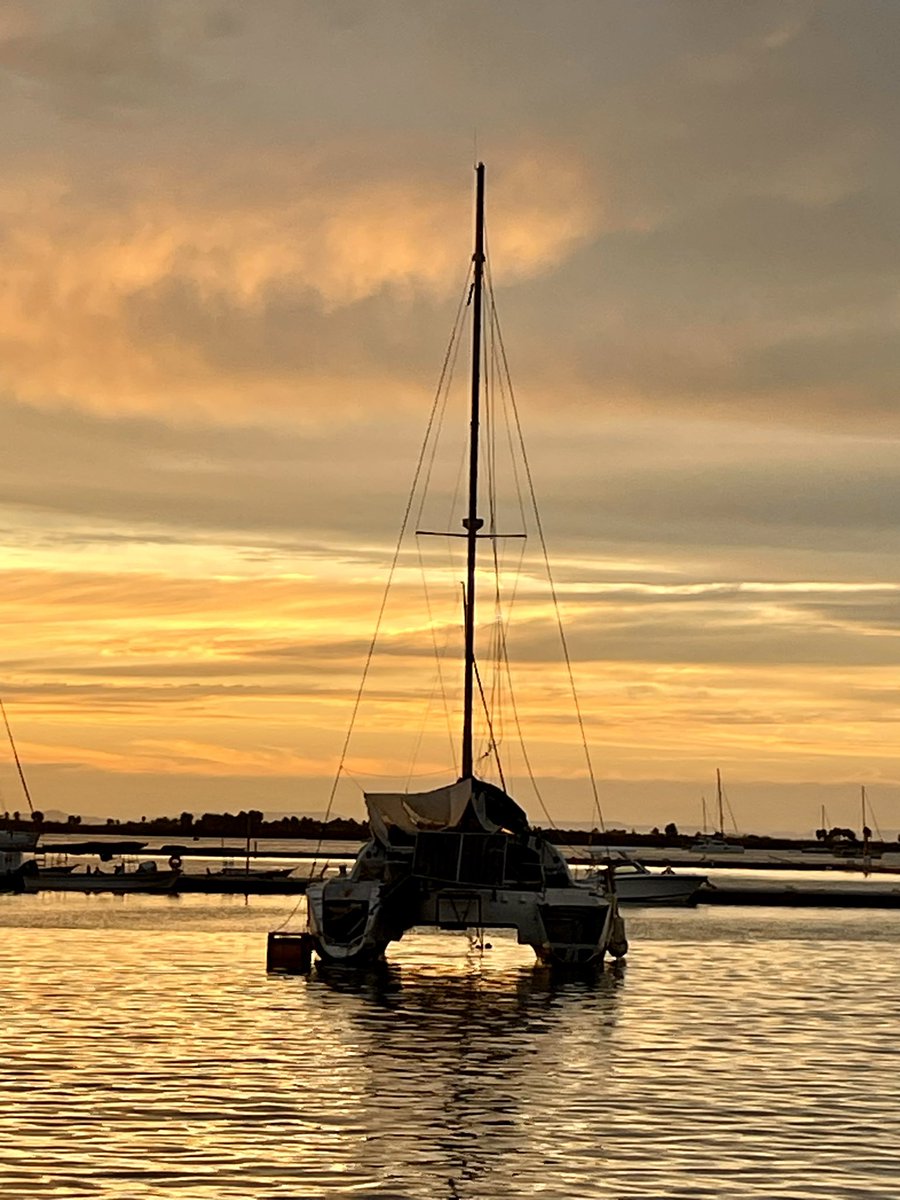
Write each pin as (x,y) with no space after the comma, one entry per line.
(738,1055)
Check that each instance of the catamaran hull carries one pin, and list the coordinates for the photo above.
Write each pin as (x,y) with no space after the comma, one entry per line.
(347,922)
(352,923)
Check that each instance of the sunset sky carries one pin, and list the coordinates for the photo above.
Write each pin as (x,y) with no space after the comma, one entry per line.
(234,238)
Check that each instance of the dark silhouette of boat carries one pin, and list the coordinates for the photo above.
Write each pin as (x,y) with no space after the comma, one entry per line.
(464,855)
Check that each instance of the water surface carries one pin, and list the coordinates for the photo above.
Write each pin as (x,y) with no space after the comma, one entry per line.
(739,1054)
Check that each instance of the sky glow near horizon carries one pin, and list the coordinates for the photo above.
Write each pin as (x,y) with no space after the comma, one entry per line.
(234,243)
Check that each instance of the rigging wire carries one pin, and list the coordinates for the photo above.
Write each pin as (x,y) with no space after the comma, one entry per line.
(497,385)
(426,591)
(734,823)
(447,376)
(417,475)
(443,389)
(19,767)
(357,780)
(867,806)
(497,380)
(492,747)
(493,707)
(494,710)
(501,625)
(437,686)
(878,832)
(546,559)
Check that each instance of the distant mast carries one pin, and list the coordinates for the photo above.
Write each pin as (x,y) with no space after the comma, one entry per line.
(719,802)
(472,523)
(12,743)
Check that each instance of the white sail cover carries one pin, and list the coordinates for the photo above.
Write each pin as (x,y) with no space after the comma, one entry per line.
(416,811)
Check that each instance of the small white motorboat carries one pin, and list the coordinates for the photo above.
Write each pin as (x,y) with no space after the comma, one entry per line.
(637,884)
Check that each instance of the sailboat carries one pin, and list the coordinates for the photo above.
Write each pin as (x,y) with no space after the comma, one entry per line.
(15,843)
(464,855)
(717,843)
(862,850)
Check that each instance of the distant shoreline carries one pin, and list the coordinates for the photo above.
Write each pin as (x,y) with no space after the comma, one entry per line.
(251,826)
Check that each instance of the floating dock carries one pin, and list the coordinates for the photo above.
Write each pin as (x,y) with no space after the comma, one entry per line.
(875,895)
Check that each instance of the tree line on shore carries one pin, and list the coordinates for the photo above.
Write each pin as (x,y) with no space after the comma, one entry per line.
(253,823)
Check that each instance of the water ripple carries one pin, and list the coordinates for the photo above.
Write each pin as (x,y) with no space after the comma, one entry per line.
(738,1055)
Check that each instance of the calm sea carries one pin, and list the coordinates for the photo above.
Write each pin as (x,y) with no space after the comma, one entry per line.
(741,1053)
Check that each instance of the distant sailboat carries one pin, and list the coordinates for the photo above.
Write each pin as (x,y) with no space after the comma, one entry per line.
(15,843)
(717,844)
(868,815)
(17,760)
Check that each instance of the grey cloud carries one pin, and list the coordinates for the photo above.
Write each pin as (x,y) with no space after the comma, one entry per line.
(286,331)
(94,56)
(762,309)
(759,626)
(808,494)
(632,494)
(867,613)
(714,641)
(132,472)
(99,59)
(743,156)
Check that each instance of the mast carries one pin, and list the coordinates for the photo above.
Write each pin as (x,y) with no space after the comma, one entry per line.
(12,744)
(472,522)
(719,801)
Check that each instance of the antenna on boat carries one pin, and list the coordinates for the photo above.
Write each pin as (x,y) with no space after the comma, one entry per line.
(472,522)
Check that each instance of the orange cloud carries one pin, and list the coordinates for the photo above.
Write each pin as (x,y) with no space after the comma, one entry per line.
(114,298)
(177,757)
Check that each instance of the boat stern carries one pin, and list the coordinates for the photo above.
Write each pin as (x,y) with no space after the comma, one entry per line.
(580,928)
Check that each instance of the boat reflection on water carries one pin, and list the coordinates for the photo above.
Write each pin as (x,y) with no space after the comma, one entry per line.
(460,1064)
(382,979)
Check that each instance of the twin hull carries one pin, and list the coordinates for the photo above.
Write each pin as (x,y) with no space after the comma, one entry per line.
(353,921)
